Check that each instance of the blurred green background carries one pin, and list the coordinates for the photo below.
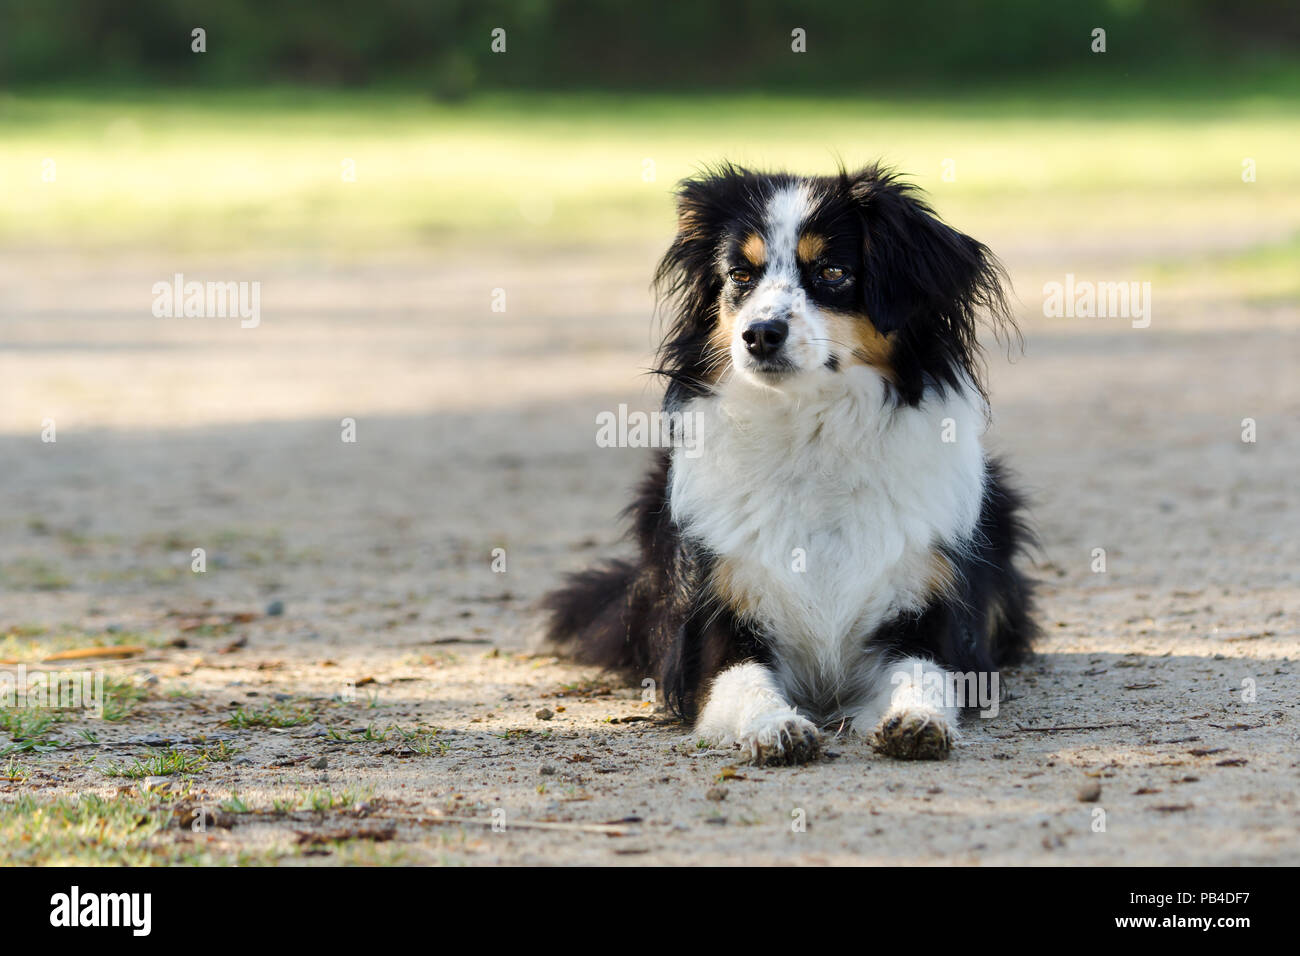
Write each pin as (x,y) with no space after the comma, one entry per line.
(441,46)
(361,129)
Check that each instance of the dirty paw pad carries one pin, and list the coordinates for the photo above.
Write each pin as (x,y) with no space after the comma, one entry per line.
(789,742)
(913,735)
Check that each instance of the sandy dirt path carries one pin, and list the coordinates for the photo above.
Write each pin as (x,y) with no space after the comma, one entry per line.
(1169,680)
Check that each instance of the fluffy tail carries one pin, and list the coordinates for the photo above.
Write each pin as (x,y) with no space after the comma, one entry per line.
(591,618)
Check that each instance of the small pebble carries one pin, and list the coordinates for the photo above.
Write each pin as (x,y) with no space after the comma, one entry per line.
(716,793)
(318,763)
(1090,792)
(544,714)
(275,609)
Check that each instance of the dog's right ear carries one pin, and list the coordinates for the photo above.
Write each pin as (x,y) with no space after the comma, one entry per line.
(688,282)
(688,273)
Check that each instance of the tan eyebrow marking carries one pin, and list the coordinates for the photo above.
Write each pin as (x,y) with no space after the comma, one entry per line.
(810,247)
(754,249)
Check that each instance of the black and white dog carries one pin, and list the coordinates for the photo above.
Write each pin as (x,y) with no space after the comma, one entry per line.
(836,546)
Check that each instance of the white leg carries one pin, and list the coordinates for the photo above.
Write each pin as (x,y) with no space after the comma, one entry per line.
(746,707)
(908,715)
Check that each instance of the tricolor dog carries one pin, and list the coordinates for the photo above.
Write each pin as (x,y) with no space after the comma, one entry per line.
(837,544)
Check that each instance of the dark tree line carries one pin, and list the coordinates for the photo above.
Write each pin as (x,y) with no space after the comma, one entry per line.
(444,45)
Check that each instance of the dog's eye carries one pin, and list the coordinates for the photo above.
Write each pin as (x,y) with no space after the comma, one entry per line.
(831,274)
(741,276)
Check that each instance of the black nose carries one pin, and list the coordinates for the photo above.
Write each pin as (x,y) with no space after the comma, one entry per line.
(765,338)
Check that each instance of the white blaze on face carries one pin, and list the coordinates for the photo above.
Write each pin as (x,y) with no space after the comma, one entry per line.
(780,293)
(786,213)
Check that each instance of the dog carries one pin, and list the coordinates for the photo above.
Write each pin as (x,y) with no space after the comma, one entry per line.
(836,551)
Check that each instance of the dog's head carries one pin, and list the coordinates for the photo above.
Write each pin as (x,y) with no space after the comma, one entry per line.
(787,280)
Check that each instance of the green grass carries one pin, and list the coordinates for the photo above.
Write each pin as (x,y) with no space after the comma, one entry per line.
(170,762)
(322,800)
(139,828)
(1262,275)
(19,723)
(80,830)
(157,765)
(418,741)
(258,169)
(235,804)
(120,697)
(422,742)
(371,732)
(30,728)
(130,829)
(318,800)
(33,574)
(273,716)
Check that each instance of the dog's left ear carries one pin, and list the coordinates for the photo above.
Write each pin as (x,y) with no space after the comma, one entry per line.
(926,283)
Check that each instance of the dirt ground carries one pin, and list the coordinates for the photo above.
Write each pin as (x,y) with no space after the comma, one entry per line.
(399,656)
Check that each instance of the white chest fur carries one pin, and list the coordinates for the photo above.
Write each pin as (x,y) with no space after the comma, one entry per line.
(825,508)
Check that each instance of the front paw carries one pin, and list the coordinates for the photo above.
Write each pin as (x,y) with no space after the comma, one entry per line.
(781,739)
(914,734)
